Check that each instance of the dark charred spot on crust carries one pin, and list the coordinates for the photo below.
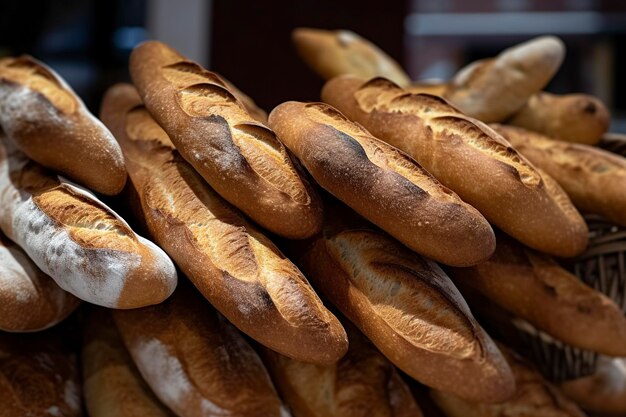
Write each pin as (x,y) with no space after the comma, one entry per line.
(590,108)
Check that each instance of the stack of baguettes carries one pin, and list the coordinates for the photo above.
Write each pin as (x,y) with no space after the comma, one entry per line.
(371,193)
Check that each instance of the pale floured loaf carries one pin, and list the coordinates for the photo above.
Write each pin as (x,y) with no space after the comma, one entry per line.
(195,361)
(29,299)
(493,89)
(408,307)
(50,124)
(231,262)
(469,158)
(336,52)
(240,158)
(383,184)
(76,239)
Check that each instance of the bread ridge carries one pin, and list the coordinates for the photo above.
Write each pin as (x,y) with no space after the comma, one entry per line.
(383,184)
(239,157)
(409,309)
(363,383)
(468,157)
(48,122)
(228,259)
(593,178)
(196,362)
(335,52)
(112,384)
(77,240)
(29,299)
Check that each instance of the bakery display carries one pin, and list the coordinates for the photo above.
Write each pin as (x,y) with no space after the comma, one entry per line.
(467,157)
(383,184)
(47,121)
(240,158)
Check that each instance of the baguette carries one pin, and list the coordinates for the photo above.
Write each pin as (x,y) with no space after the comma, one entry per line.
(331,53)
(433,88)
(196,362)
(29,299)
(253,109)
(594,179)
(50,124)
(408,307)
(494,89)
(578,118)
(76,239)
(602,392)
(383,184)
(469,158)
(112,384)
(535,397)
(535,288)
(228,259)
(240,158)
(38,377)
(363,383)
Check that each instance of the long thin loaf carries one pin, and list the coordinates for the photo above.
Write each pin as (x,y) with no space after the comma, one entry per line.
(239,157)
(383,184)
(77,240)
(469,158)
(228,259)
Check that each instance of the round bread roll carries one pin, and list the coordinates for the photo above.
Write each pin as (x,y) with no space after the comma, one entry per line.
(335,52)
(469,158)
(29,299)
(50,124)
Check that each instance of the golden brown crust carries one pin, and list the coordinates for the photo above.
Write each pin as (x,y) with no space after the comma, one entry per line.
(434,88)
(195,361)
(534,287)
(38,377)
(112,384)
(493,89)
(333,53)
(602,392)
(408,308)
(469,158)
(239,157)
(535,397)
(579,118)
(230,261)
(29,299)
(383,184)
(593,178)
(363,383)
(48,122)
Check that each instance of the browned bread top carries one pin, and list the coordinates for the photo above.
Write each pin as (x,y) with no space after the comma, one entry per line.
(383,184)
(239,157)
(335,52)
(468,157)
(49,122)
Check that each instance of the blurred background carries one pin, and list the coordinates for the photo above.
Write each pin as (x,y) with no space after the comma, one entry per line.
(88,41)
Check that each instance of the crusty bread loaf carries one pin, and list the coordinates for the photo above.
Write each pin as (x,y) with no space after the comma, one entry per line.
(493,89)
(76,239)
(534,287)
(255,111)
(383,184)
(228,259)
(112,384)
(29,299)
(239,157)
(434,88)
(602,392)
(469,158)
(577,118)
(363,383)
(38,377)
(196,362)
(407,307)
(594,179)
(534,397)
(49,122)
(335,52)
